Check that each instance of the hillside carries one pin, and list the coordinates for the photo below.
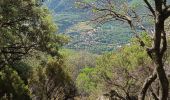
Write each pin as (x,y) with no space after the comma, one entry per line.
(117,50)
(85,35)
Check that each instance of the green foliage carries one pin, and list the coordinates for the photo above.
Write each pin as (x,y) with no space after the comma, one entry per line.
(12,86)
(85,82)
(75,61)
(23,69)
(147,39)
(113,71)
(26,28)
(32,65)
(132,57)
(49,81)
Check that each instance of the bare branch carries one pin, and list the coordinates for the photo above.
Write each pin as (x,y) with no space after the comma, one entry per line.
(150,7)
(146,85)
(153,94)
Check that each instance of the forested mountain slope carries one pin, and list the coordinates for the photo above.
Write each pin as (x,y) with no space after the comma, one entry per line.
(85,35)
(36,62)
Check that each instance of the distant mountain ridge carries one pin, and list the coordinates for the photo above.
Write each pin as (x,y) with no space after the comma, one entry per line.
(65,13)
(60,6)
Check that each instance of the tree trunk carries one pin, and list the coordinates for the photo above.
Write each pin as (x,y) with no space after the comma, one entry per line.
(163,81)
(159,29)
(159,48)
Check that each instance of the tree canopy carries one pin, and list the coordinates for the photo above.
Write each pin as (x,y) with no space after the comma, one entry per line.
(36,63)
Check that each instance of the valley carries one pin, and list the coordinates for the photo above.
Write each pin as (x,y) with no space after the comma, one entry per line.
(84,34)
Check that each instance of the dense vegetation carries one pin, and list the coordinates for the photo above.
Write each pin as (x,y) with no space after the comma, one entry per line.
(29,57)
(85,57)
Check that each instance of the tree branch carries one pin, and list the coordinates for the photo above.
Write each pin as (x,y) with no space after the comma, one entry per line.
(166,13)
(146,85)
(150,7)
(164,43)
(153,94)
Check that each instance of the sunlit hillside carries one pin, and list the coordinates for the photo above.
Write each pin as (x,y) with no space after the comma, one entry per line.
(84,34)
